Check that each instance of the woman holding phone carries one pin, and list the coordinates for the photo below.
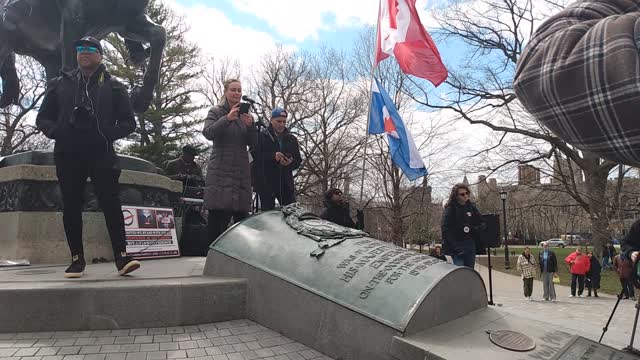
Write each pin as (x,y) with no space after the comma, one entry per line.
(227,191)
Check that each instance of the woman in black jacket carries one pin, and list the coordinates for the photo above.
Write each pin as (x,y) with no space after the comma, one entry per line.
(593,276)
(461,226)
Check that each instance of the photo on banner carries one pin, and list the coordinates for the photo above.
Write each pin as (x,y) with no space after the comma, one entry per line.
(150,232)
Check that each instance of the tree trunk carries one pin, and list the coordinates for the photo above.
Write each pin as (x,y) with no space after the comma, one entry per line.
(595,188)
(397,223)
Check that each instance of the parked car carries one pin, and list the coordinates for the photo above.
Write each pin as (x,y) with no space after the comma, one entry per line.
(554,243)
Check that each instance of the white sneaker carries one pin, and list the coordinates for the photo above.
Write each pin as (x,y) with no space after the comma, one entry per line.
(579,295)
(553,300)
(572,296)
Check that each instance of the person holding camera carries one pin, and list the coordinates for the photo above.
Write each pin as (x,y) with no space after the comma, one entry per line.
(338,211)
(277,155)
(184,168)
(227,191)
(85,111)
(461,225)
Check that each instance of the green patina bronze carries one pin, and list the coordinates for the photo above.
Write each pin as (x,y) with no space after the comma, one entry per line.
(377,279)
(325,233)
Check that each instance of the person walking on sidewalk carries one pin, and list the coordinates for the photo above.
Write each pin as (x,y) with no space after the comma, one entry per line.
(579,265)
(85,111)
(624,273)
(593,276)
(548,269)
(527,266)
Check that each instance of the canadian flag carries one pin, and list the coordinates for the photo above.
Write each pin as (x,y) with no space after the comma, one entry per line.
(401,34)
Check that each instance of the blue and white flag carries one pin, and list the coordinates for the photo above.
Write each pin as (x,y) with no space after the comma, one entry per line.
(384,119)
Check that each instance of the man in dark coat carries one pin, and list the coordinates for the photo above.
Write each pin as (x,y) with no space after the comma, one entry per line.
(548,269)
(84,111)
(184,168)
(276,155)
(337,210)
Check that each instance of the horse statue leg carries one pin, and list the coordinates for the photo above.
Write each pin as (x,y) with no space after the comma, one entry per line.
(72,29)
(137,53)
(145,30)
(9,75)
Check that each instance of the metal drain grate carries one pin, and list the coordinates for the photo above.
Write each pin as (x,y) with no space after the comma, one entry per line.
(511,340)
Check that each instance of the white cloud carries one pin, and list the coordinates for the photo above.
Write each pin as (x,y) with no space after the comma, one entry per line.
(217,36)
(299,20)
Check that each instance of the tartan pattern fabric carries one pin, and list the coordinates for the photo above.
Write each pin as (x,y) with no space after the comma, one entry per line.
(526,268)
(580,77)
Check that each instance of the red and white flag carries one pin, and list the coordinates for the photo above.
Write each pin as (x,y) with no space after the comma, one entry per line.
(401,34)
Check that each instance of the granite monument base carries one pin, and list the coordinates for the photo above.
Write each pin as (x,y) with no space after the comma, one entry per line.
(31,207)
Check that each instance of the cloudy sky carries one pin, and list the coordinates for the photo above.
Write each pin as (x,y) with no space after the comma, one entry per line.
(246,29)
(219,26)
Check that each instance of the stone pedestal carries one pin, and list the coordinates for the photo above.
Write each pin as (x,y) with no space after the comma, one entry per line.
(31,207)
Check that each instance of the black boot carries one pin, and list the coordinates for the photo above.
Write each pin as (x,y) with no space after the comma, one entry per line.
(595,292)
(589,293)
(126,264)
(76,269)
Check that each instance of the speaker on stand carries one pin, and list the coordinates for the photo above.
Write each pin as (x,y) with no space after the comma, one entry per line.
(490,239)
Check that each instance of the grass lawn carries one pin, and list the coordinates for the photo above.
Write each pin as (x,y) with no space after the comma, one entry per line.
(609,282)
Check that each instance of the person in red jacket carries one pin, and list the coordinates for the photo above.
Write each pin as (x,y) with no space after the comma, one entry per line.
(579,265)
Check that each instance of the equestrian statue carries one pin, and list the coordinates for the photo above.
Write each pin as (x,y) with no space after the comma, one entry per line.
(45,30)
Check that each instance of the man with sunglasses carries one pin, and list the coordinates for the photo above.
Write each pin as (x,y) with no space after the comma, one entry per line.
(85,111)
(337,210)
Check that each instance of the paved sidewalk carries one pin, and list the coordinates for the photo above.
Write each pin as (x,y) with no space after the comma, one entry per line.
(231,340)
(585,316)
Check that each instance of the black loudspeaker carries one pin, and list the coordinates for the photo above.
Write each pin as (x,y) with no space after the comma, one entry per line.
(491,236)
(194,240)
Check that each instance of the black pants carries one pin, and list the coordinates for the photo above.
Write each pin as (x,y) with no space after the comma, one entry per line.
(580,279)
(628,290)
(527,286)
(72,170)
(219,221)
(268,199)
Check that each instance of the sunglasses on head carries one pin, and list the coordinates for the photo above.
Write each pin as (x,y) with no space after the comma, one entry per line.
(89,49)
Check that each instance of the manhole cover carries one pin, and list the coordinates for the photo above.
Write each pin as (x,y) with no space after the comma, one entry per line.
(35,272)
(512,340)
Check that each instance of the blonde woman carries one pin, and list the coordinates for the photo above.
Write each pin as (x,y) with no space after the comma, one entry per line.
(527,266)
(227,191)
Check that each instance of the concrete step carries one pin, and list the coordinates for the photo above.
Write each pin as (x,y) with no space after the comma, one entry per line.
(162,293)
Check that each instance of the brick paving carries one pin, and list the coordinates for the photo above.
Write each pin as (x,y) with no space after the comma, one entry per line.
(231,340)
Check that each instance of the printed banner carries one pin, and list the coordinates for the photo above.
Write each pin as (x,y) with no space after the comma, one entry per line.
(151,232)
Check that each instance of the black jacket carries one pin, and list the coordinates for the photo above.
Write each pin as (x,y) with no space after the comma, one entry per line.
(455,219)
(552,262)
(341,215)
(274,175)
(631,241)
(593,275)
(85,116)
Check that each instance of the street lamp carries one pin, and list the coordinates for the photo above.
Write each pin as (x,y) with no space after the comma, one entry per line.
(503,197)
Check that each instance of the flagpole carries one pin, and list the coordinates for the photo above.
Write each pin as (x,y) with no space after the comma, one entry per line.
(366,141)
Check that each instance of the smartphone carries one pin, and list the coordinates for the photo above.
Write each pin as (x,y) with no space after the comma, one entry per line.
(244,108)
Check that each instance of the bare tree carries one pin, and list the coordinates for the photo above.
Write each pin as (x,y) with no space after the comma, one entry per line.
(17,122)
(331,134)
(405,204)
(216,71)
(481,93)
